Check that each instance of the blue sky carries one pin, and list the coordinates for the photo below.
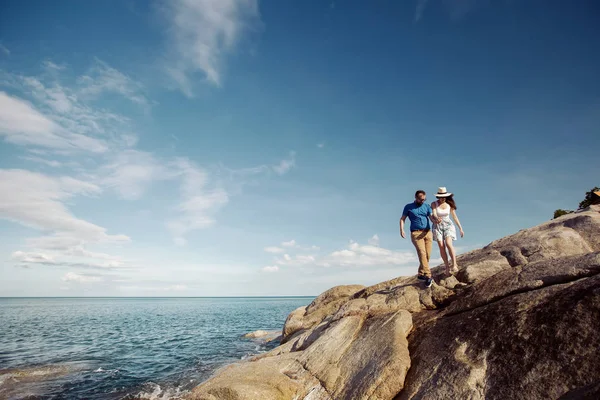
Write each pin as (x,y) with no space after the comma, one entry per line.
(232,148)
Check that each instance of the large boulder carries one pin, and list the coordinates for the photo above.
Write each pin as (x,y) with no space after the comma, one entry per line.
(271,378)
(352,358)
(325,304)
(539,344)
(572,234)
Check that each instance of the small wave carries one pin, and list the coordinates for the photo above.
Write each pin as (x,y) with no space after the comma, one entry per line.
(155,392)
(108,371)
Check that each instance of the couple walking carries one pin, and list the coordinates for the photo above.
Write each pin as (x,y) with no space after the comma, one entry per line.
(429,223)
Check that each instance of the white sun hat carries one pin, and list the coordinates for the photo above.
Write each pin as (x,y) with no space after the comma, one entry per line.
(442,192)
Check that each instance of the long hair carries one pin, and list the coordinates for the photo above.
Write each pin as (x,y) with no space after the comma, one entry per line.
(451,202)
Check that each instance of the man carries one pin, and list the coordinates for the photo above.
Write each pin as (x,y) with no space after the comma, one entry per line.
(419,213)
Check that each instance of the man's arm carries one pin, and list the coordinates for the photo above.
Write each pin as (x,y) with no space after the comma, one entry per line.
(402,226)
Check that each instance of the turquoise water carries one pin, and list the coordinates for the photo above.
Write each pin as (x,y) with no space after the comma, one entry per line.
(127,348)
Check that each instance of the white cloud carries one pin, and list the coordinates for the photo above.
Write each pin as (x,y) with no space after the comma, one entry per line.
(355,255)
(274,249)
(202,32)
(374,241)
(367,256)
(4,50)
(38,201)
(291,243)
(285,165)
(80,278)
(242,175)
(61,119)
(320,145)
(273,268)
(198,203)
(22,124)
(24,257)
(131,171)
(48,64)
(27,259)
(103,78)
(297,260)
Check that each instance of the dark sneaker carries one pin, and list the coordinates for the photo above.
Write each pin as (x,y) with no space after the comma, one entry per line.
(429,282)
(421,277)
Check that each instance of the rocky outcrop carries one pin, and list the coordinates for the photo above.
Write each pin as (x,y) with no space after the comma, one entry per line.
(326,303)
(520,320)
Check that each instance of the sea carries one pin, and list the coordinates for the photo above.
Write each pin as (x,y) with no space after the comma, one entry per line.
(128,348)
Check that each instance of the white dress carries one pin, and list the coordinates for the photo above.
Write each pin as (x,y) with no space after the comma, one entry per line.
(445,228)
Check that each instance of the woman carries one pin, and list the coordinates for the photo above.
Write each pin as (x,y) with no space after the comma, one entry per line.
(444,231)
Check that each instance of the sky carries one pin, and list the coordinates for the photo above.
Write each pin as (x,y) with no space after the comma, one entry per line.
(267,148)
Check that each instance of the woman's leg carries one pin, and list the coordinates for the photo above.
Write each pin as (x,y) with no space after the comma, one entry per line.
(451,252)
(444,255)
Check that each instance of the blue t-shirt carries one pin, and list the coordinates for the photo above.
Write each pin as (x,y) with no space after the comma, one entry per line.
(418,216)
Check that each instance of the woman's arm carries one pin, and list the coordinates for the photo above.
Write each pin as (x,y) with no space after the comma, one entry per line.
(434,217)
(453,211)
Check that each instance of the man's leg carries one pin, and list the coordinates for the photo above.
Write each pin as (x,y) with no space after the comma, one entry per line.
(418,241)
(428,246)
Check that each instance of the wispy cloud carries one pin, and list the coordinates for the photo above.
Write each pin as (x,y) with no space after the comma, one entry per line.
(199,201)
(240,175)
(48,114)
(22,124)
(81,278)
(50,65)
(202,33)
(271,268)
(4,50)
(130,172)
(357,255)
(285,165)
(103,78)
(274,249)
(421,4)
(38,201)
(354,255)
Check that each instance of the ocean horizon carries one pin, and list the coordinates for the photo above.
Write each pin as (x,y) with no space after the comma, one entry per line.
(128,347)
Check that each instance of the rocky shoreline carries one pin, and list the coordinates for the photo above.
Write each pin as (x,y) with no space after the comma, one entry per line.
(520,320)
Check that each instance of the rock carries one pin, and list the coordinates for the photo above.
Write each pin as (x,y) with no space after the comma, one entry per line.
(354,357)
(570,235)
(386,286)
(271,378)
(529,277)
(534,345)
(325,304)
(399,298)
(362,358)
(257,334)
(293,322)
(520,320)
(480,264)
(449,282)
